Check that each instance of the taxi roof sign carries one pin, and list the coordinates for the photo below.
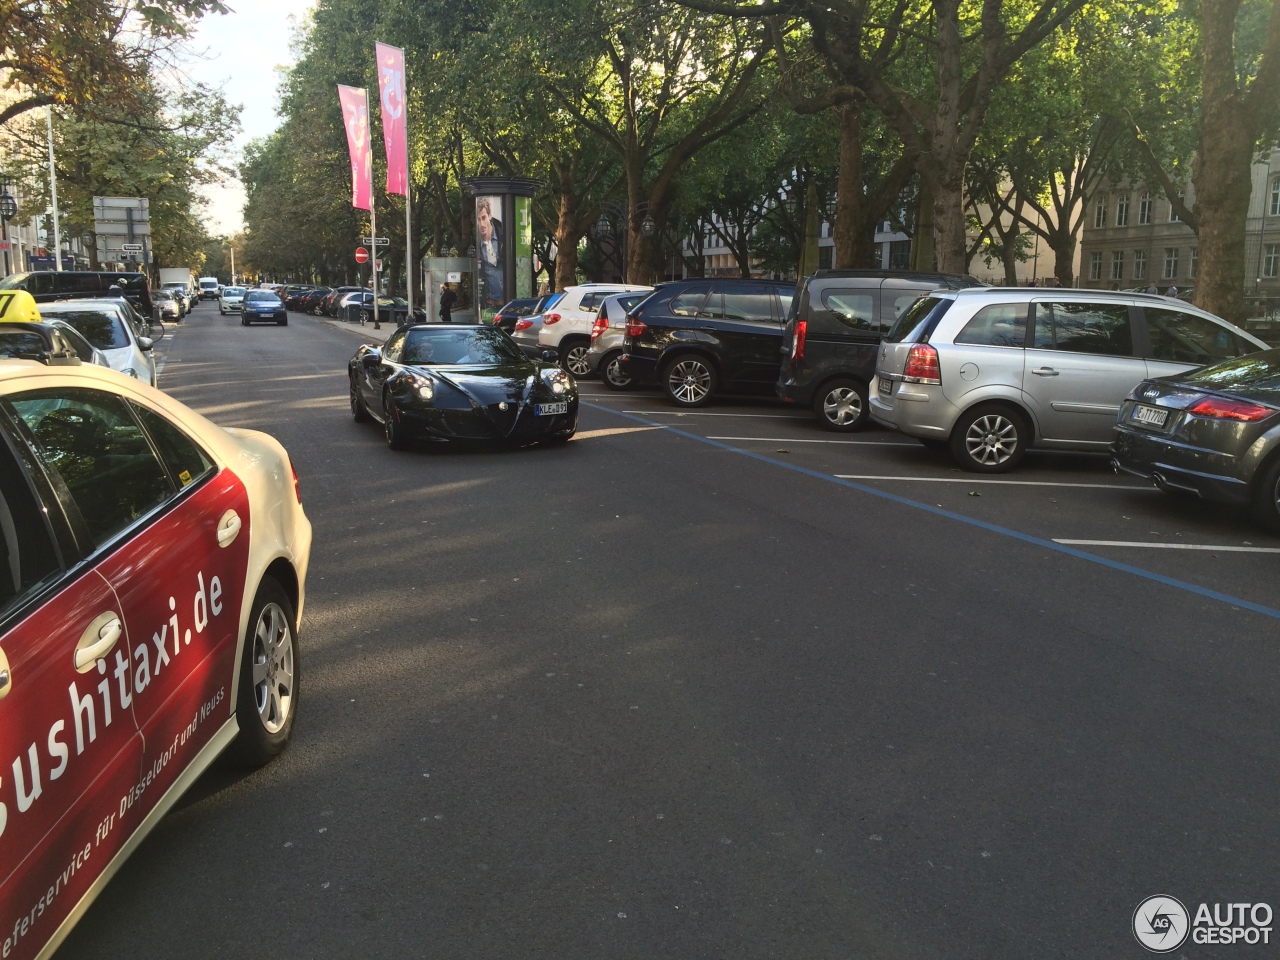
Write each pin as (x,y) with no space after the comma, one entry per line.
(18,306)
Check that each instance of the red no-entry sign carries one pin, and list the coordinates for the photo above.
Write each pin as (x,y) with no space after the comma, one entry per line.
(362,255)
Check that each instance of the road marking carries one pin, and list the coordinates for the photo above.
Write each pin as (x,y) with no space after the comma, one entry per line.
(613,432)
(1167,546)
(1012,534)
(1012,483)
(684,413)
(856,443)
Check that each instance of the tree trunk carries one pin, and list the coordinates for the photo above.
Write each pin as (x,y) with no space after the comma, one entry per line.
(852,244)
(567,237)
(1064,257)
(922,249)
(949,224)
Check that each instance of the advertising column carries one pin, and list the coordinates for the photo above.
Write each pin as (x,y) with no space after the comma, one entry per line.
(524,247)
(490,256)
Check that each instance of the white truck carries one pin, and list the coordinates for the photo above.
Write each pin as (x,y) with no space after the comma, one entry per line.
(210,288)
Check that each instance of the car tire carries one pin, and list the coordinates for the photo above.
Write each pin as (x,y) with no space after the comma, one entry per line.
(689,380)
(391,427)
(990,438)
(1266,496)
(612,372)
(573,358)
(359,412)
(267,699)
(841,405)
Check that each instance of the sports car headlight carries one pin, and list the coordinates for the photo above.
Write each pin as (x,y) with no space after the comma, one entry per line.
(423,387)
(557,380)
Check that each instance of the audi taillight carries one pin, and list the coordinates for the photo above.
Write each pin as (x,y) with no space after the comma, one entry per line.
(550,318)
(922,365)
(1220,408)
(523,324)
(635,326)
(599,327)
(797,341)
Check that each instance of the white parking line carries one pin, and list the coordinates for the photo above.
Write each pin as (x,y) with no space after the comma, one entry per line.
(1011,483)
(688,413)
(1166,546)
(856,443)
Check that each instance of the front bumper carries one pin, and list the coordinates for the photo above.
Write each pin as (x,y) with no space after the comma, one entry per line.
(1177,466)
(433,423)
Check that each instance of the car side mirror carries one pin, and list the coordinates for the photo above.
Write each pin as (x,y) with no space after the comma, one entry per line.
(146,343)
(551,356)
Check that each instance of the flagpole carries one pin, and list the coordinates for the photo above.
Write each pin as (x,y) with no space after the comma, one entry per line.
(373,235)
(408,248)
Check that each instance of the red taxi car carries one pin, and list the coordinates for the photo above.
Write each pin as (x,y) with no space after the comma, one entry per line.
(152,567)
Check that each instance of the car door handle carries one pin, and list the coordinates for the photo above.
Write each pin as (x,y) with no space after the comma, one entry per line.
(97,640)
(1045,372)
(6,681)
(228,528)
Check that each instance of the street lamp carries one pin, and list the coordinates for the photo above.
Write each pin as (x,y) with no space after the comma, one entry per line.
(8,210)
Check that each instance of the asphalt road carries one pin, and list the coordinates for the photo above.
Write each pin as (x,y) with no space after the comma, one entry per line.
(679,690)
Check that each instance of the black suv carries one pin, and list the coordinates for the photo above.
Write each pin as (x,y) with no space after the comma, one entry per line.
(49,285)
(832,337)
(696,338)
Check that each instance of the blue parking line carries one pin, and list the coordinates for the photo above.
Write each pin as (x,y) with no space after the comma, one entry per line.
(971,521)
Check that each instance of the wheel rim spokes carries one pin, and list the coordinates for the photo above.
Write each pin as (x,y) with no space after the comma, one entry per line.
(576,361)
(991,440)
(615,374)
(690,381)
(273,668)
(842,406)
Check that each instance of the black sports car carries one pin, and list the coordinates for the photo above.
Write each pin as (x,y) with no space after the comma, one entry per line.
(443,382)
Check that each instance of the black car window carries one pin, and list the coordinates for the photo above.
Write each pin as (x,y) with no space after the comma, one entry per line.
(689,303)
(93,444)
(1187,337)
(786,300)
(27,553)
(750,302)
(40,283)
(77,283)
(996,325)
(393,347)
(187,463)
(903,302)
(22,345)
(713,306)
(854,307)
(1101,328)
(104,330)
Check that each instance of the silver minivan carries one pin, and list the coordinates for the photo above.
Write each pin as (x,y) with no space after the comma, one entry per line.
(989,372)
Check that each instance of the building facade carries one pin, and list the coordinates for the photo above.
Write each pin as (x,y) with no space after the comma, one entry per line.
(1133,238)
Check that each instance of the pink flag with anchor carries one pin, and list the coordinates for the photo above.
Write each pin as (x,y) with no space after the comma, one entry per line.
(391,86)
(355,117)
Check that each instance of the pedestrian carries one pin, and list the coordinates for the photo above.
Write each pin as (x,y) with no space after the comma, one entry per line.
(1115,285)
(1031,282)
(447,299)
(1172,291)
(1152,288)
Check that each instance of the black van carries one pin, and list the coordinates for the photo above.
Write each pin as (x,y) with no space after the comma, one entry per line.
(699,337)
(831,338)
(49,285)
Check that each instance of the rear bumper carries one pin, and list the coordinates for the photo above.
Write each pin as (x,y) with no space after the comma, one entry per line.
(1208,474)
(640,367)
(918,410)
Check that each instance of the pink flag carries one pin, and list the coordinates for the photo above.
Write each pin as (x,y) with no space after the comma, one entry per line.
(391,87)
(355,117)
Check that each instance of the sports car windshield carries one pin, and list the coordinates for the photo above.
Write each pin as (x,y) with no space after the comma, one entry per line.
(464,347)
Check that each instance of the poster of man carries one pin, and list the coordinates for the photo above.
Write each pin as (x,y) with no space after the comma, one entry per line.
(489,252)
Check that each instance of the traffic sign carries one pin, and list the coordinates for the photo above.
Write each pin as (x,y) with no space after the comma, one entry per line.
(131,247)
(376,242)
(362,255)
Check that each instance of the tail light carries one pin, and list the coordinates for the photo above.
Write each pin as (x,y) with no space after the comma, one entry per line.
(797,341)
(1220,408)
(599,327)
(922,365)
(635,326)
(550,318)
(523,324)
(297,490)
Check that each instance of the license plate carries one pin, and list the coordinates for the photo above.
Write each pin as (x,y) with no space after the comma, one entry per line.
(884,387)
(1149,415)
(550,409)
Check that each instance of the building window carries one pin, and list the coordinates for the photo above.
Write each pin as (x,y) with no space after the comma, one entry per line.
(1275,197)
(1100,213)
(1194,264)
(1271,260)
(1144,209)
(1173,214)
(1170,262)
(1139,264)
(1117,265)
(1122,210)
(1095,265)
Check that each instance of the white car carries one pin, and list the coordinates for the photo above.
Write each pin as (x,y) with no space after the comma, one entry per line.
(230,300)
(149,608)
(106,325)
(566,327)
(182,293)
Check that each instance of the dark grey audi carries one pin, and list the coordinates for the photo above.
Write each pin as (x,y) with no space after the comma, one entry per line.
(1213,432)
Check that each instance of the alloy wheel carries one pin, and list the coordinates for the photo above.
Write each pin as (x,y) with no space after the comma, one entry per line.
(991,439)
(689,381)
(575,360)
(616,374)
(273,668)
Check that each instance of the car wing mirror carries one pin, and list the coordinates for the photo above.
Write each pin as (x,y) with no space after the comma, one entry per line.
(551,356)
(146,343)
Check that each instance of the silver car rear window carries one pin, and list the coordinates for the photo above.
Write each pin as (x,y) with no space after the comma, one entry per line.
(917,323)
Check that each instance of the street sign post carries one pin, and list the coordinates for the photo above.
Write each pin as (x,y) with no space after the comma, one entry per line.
(131,247)
(362,255)
(376,241)
(377,265)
